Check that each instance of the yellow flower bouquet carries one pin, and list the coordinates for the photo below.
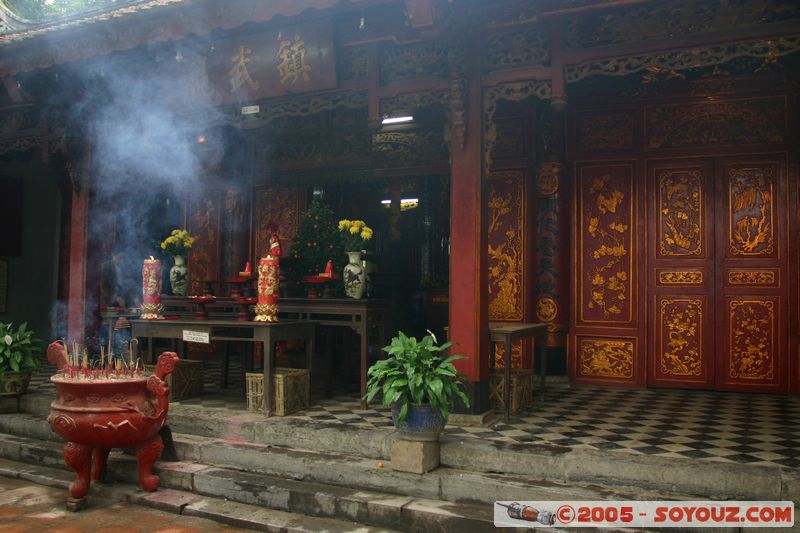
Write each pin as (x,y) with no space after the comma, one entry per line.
(354,234)
(178,243)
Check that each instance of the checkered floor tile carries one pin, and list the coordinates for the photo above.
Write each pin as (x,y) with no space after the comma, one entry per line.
(728,427)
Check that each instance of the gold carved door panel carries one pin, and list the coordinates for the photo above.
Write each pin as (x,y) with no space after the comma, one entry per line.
(717,309)
(752,275)
(681,277)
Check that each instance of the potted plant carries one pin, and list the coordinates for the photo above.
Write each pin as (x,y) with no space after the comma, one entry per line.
(18,350)
(419,382)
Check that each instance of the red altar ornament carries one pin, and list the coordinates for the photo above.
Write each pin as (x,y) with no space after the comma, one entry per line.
(268,282)
(151,289)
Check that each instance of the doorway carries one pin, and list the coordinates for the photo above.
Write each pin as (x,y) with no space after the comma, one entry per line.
(717,279)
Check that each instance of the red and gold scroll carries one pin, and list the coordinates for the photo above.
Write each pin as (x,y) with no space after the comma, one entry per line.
(151,289)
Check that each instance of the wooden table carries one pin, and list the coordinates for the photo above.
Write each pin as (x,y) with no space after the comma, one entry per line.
(508,333)
(358,315)
(267,333)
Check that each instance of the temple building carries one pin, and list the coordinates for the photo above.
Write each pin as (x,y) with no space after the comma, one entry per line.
(230,209)
(625,172)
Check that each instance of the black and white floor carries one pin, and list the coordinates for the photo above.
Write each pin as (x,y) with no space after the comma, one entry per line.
(716,426)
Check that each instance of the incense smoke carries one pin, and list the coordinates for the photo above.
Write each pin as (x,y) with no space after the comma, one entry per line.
(139,114)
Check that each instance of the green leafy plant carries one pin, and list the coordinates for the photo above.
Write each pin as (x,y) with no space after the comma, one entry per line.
(18,348)
(416,373)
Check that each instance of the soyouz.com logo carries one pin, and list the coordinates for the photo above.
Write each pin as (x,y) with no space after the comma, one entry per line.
(639,513)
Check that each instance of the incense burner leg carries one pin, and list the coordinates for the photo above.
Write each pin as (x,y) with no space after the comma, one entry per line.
(78,457)
(99,461)
(146,456)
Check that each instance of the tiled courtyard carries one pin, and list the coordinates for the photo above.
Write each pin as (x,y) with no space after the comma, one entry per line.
(729,427)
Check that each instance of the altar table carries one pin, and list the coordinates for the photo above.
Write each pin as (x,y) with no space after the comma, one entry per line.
(508,333)
(358,315)
(267,333)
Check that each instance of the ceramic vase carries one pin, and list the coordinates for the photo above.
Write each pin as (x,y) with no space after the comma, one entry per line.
(179,276)
(354,276)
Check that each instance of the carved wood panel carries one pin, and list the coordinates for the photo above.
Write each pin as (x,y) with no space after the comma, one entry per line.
(506,240)
(281,205)
(506,253)
(717,236)
(716,123)
(605,131)
(751,211)
(203,222)
(752,289)
(681,274)
(606,207)
(605,337)
(606,357)
(682,340)
(752,340)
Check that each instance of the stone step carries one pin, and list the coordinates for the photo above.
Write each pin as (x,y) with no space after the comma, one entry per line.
(344,470)
(232,513)
(249,500)
(408,513)
(545,463)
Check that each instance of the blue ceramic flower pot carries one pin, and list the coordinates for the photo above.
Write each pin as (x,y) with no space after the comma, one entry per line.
(424,423)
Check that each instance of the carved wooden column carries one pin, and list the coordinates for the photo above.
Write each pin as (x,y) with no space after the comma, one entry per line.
(76,293)
(468,314)
(551,266)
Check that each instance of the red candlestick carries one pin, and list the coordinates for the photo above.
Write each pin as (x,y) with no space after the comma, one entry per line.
(151,289)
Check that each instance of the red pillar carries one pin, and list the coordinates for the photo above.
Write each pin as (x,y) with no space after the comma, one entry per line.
(76,292)
(468,313)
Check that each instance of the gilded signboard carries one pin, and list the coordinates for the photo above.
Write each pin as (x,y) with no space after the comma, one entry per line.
(272,63)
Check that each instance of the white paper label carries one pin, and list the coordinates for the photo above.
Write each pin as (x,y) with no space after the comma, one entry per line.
(250,109)
(195,336)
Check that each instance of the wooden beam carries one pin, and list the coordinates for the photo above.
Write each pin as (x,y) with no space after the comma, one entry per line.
(499,77)
(751,33)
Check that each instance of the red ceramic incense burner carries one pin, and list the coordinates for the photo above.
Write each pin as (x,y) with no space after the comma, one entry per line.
(94,416)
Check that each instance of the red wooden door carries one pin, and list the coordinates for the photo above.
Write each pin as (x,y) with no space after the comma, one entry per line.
(681,278)
(717,308)
(751,285)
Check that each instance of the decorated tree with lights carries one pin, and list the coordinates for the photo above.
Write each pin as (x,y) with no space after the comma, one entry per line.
(316,242)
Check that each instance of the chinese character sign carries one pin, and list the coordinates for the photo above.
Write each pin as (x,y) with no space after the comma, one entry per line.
(273,63)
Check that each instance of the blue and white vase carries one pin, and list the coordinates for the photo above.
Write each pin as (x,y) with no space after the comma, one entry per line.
(354,276)
(179,276)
